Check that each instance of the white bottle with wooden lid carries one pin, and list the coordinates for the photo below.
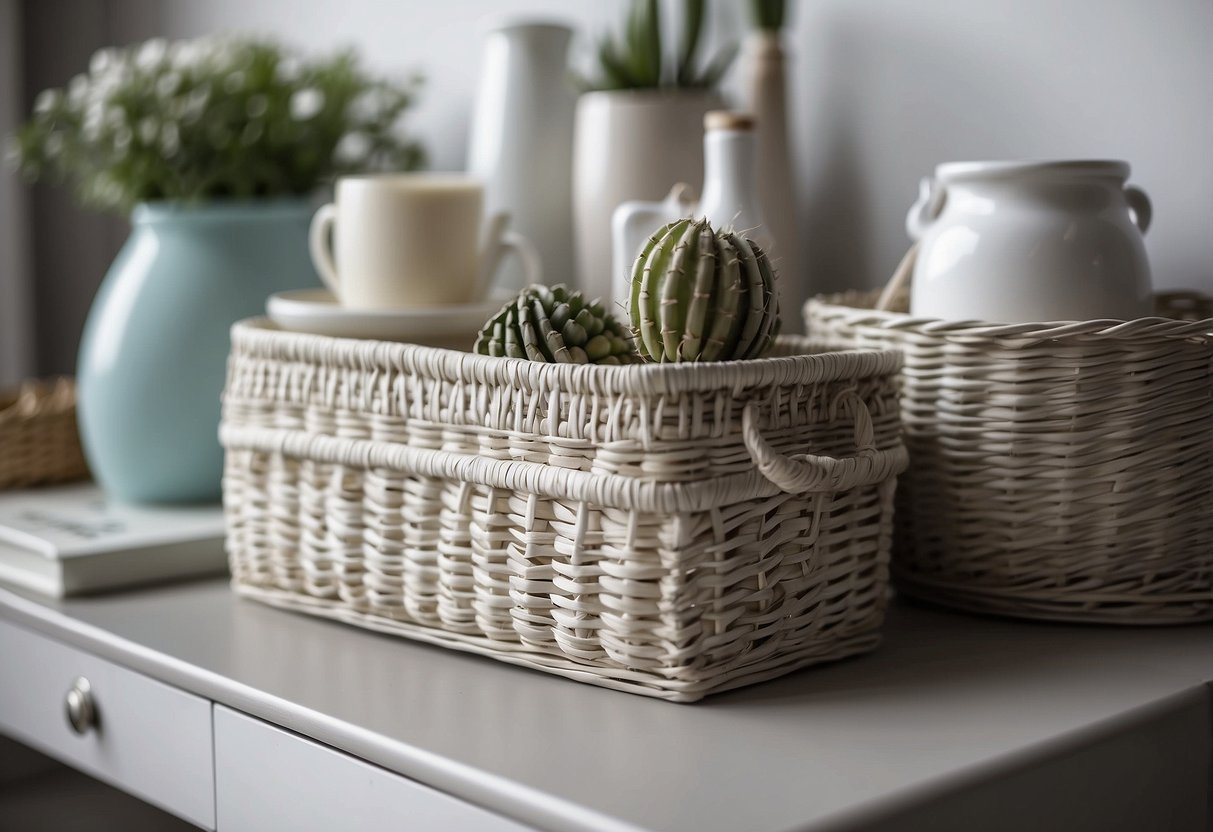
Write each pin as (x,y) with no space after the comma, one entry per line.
(730,183)
(730,198)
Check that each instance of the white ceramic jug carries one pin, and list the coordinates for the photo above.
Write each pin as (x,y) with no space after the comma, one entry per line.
(1019,242)
(521,142)
(632,224)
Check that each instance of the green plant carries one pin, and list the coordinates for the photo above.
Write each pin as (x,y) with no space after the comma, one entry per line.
(212,118)
(556,325)
(769,15)
(698,294)
(637,60)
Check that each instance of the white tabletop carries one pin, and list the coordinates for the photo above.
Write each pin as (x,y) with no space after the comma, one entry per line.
(947,698)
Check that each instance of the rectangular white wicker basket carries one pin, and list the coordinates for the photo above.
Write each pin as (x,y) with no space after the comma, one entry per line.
(668,530)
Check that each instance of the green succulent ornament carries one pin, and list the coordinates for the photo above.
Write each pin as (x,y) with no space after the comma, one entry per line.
(556,325)
(698,294)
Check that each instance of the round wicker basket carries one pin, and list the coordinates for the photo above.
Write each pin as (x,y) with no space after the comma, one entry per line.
(39,443)
(1059,471)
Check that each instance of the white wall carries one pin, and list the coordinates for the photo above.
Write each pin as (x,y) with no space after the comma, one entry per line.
(882,90)
(889,88)
(70,247)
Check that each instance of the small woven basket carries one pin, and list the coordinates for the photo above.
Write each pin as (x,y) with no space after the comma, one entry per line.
(671,530)
(39,442)
(1058,471)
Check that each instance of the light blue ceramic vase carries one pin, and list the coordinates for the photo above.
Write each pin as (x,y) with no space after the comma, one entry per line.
(153,355)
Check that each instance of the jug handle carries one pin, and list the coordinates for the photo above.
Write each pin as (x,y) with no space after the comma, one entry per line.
(631,224)
(1140,205)
(930,202)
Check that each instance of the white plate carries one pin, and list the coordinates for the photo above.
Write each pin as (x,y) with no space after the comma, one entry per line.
(316,311)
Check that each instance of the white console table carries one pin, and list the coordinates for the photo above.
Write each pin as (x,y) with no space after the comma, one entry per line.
(236,716)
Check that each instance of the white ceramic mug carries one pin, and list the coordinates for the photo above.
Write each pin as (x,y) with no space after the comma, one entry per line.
(412,240)
(1022,242)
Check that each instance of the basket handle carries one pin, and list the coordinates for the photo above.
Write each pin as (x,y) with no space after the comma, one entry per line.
(803,473)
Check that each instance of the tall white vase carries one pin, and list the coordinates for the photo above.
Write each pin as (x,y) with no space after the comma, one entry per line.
(631,145)
(521,142)
(767,100)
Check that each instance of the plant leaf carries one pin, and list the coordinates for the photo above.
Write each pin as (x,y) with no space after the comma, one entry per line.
(769,15)
(644,43)
(698,311)
(770,303)
(755,311)
(717,68)
(676,292)
(692,27)
(724,326)
(615,73)
(637,300)
(652,40)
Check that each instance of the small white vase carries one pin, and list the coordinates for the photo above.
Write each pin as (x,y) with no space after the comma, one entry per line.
(1021,242)
(630,145)
(730,199)
(521,142)
(765,60)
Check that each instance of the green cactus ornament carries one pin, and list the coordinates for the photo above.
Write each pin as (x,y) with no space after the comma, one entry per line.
(698,294)
(556,325)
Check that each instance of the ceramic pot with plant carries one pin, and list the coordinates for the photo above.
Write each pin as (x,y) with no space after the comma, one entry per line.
(765,62)
(639,127)
(216,147)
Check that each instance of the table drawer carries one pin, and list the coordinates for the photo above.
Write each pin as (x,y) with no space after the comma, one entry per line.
(268,778)
(144,737)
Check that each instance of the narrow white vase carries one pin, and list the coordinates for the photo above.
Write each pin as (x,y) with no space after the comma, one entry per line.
(630,145)
(730,190)
(521,142)
(766,60)
(730,197)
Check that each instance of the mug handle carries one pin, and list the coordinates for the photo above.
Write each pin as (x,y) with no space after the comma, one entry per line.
(319,241)
(498,242)
(1140,205)
(532,263)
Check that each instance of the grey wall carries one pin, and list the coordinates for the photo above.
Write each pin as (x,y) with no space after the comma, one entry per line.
(70,247)
(889,88)
(16,303)
(881,89)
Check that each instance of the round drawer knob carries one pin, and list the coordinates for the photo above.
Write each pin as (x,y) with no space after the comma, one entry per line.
(81,710)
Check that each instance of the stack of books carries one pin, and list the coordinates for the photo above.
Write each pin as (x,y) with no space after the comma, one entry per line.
(71,540)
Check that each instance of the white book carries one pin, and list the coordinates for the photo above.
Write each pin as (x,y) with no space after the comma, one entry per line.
(71,540)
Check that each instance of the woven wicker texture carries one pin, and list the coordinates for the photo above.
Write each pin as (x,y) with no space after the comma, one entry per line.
(1058,471)
(655,529)
(39,442)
